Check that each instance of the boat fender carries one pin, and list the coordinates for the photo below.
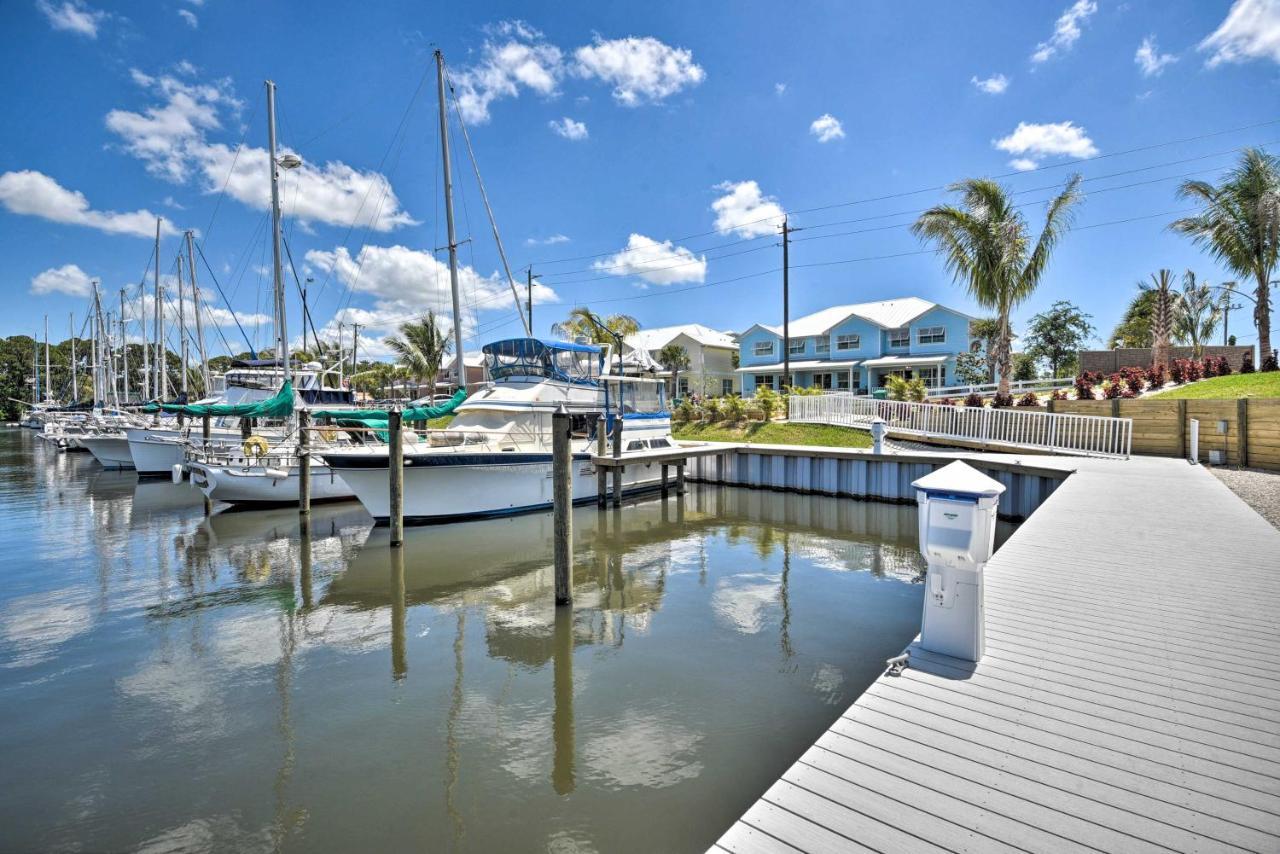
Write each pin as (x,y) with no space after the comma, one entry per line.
(410,437)
(276,474)
(255,446)
(177,473)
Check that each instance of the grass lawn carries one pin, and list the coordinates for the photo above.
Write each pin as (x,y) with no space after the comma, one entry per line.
(1230,387)
(775,433)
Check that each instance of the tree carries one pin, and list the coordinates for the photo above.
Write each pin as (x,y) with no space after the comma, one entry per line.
(674,358)
(987,247)
(584,323)
(971,369)
(1024,367)
(1199,313)
(421,348)
(1134,328)
(1164,312)
(987,330)
(1240,226)
(1057,335)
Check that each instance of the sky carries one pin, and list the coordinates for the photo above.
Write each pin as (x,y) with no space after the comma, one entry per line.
(638,156)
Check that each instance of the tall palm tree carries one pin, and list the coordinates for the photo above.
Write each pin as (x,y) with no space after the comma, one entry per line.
(674,358)
(1165,308)
(582,322)
(1199,315)
(421,348)
(987,247)
(1240,226)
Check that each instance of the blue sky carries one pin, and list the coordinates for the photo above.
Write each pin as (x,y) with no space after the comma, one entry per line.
(636,154)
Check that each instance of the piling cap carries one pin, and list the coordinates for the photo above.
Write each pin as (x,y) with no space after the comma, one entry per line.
(959,478)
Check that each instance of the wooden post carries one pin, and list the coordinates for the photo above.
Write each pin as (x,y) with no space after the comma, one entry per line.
(399,659)
(602,473)
(304,575)
(1242,429)
(246,428)
(1182,429)
(1115,407)
(1049,405)
(205,429)
(304,465)
(617,454)
(680,478)
(664,480)
(395,476)
(562,505)
(562,729)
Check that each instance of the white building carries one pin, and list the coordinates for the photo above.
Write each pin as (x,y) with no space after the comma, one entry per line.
(711,357)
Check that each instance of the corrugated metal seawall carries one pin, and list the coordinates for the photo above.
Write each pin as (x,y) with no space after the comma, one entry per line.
(876,477)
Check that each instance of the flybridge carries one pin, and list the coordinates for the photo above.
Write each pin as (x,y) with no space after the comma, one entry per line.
(534,357)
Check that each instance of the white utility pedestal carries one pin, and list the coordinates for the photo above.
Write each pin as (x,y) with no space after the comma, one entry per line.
(878,429)
(957,509)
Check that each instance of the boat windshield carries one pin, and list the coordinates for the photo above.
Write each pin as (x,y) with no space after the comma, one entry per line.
(638,397)
(531,357)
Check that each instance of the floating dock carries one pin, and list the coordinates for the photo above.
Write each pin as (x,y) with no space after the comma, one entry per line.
(1129,698)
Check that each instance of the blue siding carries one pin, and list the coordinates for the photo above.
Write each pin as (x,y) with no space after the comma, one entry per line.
(869,343)
(746,348)
(956,328)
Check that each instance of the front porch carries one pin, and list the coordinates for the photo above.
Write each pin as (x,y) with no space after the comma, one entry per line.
(806,373)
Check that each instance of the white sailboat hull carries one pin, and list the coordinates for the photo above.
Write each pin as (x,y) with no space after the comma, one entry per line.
(112,451)
(155,451)
(264,485)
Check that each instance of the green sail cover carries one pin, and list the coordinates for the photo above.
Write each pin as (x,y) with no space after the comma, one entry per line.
(279,406)
(413,413)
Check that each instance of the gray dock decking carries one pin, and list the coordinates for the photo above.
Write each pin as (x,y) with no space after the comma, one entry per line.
(1128,699)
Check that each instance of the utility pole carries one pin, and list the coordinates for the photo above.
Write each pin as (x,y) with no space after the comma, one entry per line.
(529,297)
(1227,308)
(182,329)
(282,334)
(786,305)
(195,307)
(71,327)
(460,370)
(124,345)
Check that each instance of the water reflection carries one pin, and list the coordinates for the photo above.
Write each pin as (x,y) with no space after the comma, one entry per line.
(175,681)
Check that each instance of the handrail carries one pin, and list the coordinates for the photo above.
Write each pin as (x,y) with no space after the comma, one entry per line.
(1088,435)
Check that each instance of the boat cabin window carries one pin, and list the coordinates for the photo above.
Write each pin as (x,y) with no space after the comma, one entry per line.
(530,357)
(640,398)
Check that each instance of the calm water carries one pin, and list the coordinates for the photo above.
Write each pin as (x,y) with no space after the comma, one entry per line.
(170,682)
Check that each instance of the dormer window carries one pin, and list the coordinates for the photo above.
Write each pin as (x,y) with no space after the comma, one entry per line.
(848,342)
(762,348)
(900,337)
(931,335)
(822,345)
(795,346)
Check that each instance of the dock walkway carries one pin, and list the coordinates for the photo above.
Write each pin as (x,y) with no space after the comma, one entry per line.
(1128,699)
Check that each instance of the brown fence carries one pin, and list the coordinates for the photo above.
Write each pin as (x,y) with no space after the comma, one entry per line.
(1110,361)
(1162,427)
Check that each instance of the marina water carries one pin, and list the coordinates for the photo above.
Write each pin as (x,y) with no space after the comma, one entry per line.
(175,682)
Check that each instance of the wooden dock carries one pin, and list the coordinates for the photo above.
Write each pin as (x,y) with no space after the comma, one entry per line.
(1128,699)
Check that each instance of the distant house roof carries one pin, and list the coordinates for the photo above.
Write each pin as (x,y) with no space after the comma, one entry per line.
(887,314)
(656,339)
(471,360)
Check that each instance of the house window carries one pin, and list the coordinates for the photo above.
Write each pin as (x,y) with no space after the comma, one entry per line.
(821,381)
(684,387)
(822,345)
(726,387)
(931,375)
(842,381)
(899,337)
(931,335)
(762,348)
(795,346)
(764,380)
(848,342)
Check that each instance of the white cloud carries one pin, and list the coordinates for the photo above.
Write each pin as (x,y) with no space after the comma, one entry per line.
(745,211)
(1149,58)
(185,67)
(1250,31)
(657,263)
(404,283)
(1066,30)
(827,127)
(780,89)
(546,241)
(36,194)
(73,16)
(171,138)
(190,17)
(67,279)
(993,85)
(640,69)
(1034,142)
(569,129)
(514,56)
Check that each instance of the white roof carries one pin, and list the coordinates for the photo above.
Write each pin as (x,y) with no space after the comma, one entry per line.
(656,339)
(797,365)
(905,361)
(887,314)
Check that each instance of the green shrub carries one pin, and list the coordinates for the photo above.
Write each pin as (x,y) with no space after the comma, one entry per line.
(733,407)
(685,411)
(768,401)
(711,410)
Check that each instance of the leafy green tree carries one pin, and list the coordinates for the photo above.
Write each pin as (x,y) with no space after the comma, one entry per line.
(1134,328)
(1057,335)
(972,369)
(901,388)
(1199,315)
(420,348)
(1024,367)
(986,330)
(986,245)
(674,359)
(1240,226)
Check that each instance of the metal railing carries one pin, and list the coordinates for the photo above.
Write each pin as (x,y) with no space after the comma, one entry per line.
(1015,388)
(1087,435)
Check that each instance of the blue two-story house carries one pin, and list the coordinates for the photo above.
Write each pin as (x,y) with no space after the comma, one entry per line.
(857,347)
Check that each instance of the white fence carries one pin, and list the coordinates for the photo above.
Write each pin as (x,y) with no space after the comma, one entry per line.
(1016,388)
(1088,435)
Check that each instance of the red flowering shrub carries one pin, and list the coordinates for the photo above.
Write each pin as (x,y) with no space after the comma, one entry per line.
(1058,394)
(973,399)
(1155,376)
(1001,400)
(1029,399)
(1208,367)
(1193,370)
(1246,366)
(1224,366)
(1115,387)
(1084,387)
(1178,371)
(1269,364)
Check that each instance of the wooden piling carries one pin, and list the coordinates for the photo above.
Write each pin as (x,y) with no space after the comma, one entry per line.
(562,728)
(1242,430)
(395,476)
(617,454)
(679,478)
(399,658)
(602,474)
(562,504)
(246,428)
(304,465)
(665,488)
(206,428)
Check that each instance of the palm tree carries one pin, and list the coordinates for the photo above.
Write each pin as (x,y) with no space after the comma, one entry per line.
(987,247)
(1240,226)
(987,329)
(582,322)
(421,347)
(674,358)
(1199,313)
(1165,308)
(1134,328)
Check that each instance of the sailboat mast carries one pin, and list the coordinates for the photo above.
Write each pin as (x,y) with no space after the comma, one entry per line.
(182,327)
(71,328)
(159,324)
(195,307)
(48,375)
(145,385)
(124,346)
(460,371)
(282,335)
